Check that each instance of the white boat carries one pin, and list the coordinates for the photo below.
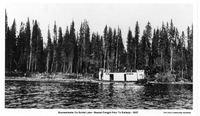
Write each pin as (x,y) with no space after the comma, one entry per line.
(106,75)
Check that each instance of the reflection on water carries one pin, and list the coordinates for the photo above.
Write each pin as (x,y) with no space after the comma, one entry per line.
(21,94)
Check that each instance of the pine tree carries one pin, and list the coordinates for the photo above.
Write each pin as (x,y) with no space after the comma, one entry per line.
(163,41)
(100,51)
(20,45)
(109,49)
(115,50)
(155,50)
(171,40)
(12,47)
(7,41)
(27,44)
(59,49)
(190,52)
(105,47)
(33,47)
(66,50)
(36,49)
(177,51)
(121,52)
(75,60)
(94,51)
(130,50)
(72,40)
(40,63)
(85,45)
(49,50)
(137,32)
(54,62)
(145,47)
(182,46)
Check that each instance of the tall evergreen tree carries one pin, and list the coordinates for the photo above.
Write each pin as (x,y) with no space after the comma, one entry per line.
(36,49)
(72,40)
(20,45)
(54,62)
(122,55)
(190,52)
(85,45)
(27,43)
(49,52)
(109,49)
(155,49)
(163,41)
(12,47)
(7,41)
(182,48)
(59,49)
(115,50)
(105,52)
(137,32)
(171,40)
(66,50)
(145,48)
(130,50)
(40,63)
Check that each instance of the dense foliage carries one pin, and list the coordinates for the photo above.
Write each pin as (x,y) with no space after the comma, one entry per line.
(163,49)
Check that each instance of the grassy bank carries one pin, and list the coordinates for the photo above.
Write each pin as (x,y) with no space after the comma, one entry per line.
(58,76)
(158,78)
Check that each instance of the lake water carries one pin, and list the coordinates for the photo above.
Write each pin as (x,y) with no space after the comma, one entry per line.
(82,95)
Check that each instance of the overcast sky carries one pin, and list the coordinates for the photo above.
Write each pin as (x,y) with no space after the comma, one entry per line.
(99,15)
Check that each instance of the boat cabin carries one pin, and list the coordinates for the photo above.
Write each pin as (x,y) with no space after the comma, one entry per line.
(106,75)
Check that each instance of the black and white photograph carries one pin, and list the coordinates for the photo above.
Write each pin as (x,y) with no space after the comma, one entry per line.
(103,57)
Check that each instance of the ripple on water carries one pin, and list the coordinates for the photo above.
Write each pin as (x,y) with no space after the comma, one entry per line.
(96,96)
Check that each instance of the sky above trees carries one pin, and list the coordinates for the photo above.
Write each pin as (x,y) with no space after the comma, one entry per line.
(99,15)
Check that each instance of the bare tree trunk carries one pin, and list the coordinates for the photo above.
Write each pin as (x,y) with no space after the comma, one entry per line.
(10,63)
(35,65)
(27,63)
(171,59)
(63,69)
(135,60)
(116,63)
(52,67)
(47,67)
(70,67)
(108,62)
(116,57)
(161,60)
(104,61)
(182,63)
(30,60)
(56,66)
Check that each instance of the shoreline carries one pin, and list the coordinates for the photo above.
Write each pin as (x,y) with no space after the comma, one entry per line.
(86,80)
(164,83)
(47,79)
(66,80)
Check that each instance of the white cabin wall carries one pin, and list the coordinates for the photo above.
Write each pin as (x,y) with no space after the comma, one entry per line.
(140,74)
(132,77)
(106,77)
(118,76)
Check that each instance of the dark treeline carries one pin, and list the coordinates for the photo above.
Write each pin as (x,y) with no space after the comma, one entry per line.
(154,50)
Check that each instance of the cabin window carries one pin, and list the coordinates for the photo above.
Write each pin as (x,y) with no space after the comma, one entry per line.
(101,74)
(124,77)
(111,77)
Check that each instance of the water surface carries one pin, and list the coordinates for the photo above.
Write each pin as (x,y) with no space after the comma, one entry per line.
(82,95)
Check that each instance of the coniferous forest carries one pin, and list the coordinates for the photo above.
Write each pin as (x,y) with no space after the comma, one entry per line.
(164,49)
